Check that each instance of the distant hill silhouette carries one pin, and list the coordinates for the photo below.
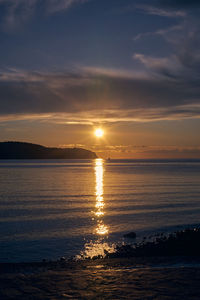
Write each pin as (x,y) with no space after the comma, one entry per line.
(21,150)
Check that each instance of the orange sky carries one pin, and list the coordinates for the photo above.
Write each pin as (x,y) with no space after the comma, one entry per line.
(161,139)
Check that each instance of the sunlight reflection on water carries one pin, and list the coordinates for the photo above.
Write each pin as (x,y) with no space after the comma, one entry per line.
(101,228)
(99,246)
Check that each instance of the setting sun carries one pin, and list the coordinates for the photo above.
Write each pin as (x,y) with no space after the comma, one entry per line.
(99,132)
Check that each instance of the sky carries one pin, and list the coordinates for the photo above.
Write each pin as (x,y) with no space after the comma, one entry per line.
(131,67)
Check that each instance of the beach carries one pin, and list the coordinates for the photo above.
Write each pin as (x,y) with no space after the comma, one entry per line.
(152,278)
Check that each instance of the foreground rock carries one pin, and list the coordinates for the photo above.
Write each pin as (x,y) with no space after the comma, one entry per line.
(181,243)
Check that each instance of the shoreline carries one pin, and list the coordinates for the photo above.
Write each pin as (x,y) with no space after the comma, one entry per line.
(183,244)
(122,262)
(140,272)
(121,278)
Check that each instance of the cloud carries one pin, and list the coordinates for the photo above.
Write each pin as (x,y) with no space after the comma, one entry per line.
(92,95)
(183,64)
(159,32)
(155,63)
(153,10)
(53,6)
(16,12)
(141,151)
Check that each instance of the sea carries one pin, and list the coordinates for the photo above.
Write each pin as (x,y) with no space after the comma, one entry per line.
(52,209)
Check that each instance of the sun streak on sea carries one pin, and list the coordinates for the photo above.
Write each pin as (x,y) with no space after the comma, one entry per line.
(99,247)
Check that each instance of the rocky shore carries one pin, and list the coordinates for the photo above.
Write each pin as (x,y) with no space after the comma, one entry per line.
(128,275)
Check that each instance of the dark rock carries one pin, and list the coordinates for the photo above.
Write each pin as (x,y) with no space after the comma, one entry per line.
(62,259)
(180,243)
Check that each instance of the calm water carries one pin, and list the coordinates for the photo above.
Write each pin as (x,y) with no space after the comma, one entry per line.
(50,209)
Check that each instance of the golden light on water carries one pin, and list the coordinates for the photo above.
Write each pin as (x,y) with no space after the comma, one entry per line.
(100,203)
(98,247)
(99,132)
(99,213)
(101,228)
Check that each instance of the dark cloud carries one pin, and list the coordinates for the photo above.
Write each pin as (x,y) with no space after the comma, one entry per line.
(183,63)
(98,94)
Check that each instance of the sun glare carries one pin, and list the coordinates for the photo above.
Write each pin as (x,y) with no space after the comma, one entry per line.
(99,132)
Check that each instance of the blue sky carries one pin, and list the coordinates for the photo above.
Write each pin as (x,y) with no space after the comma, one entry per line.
(67,66)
